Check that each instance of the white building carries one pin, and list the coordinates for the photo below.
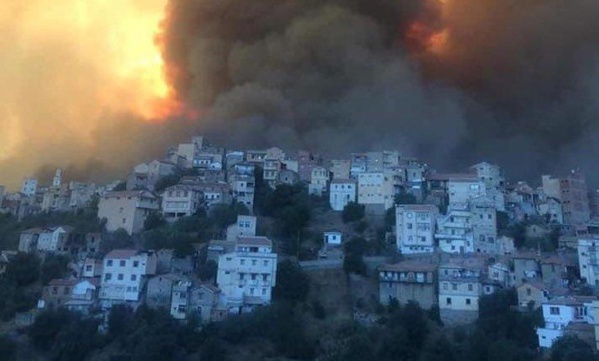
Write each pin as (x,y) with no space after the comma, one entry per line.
(247,275)
(489,174)
(124,274)
(333,238)
(415,228)
(244,227)
(454,232)
(342,191)
(318,181)
(588,260)
(127,209)
(29,187)
(52,239)
(558,314)
(462,190)
(57,180)
(243,187)
(181,201)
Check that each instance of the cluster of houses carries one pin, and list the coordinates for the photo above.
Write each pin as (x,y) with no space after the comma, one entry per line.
(246,274)
(453,250)
(454,254)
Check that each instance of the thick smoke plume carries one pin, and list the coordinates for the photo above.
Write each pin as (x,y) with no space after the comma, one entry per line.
(513,81)
(451,81)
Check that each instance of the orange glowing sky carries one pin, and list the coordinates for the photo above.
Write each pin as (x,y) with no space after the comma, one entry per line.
(70,66)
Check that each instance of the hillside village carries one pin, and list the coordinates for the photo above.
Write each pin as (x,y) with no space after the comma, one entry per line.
(208,234)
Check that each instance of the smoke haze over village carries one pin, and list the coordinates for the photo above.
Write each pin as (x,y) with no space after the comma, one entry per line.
(453,81)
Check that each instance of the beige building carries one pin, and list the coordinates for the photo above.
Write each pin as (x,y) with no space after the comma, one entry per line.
(127,209)
(460,289)
(181,201)
(413,280)
(340,168)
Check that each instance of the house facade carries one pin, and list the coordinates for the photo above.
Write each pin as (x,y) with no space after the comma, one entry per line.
(415,228)
(127,210)
(342,192)
(413,280)
(247,275)
(124,274)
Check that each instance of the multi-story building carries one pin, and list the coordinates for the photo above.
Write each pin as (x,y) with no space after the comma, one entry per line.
(127,209)
(588,260)
(341,192)
(181,200)
(375,191)
(215,193)
(552,209)
(244,227)
(247,275)
(340,168)
(124,274)
(460,288)
(29,187)
(243,187)
(462,190)
(307,161)
(319,181)
(489,174)
(454,232)
(484,225)
(572,191)
(415,228)
(145,175)
(413,280)
(72,294)
(199,300)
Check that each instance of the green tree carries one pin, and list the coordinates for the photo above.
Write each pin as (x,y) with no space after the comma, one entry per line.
(154,220)
(352,212)
(24,269)
(292,283)
(571,348)
(8,349)
(405,198)
(208,270)
(119,318)
(54,266)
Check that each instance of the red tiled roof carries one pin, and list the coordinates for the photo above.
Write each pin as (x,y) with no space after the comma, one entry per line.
(121,254)
(415,265)
(254,241)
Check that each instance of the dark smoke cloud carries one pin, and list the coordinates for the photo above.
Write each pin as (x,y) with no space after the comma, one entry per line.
(516,82)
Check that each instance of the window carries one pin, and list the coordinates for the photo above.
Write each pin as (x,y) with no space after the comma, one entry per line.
(109,263)
(133,277)
(122,263)
(468,301)
(135,263)
(88,268)
(265,263)
(242,261)
(448,301)
(108,277)
(454,286)
(241,275)
(470,288)
(254,262)
(253,276)
(528,292)
(554,310)
(124,220)
(251,291)
(264,292)
(445,286)
(120,277)
(54,290)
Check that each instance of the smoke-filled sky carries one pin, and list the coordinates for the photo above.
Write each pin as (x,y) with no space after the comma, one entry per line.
(96,85)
